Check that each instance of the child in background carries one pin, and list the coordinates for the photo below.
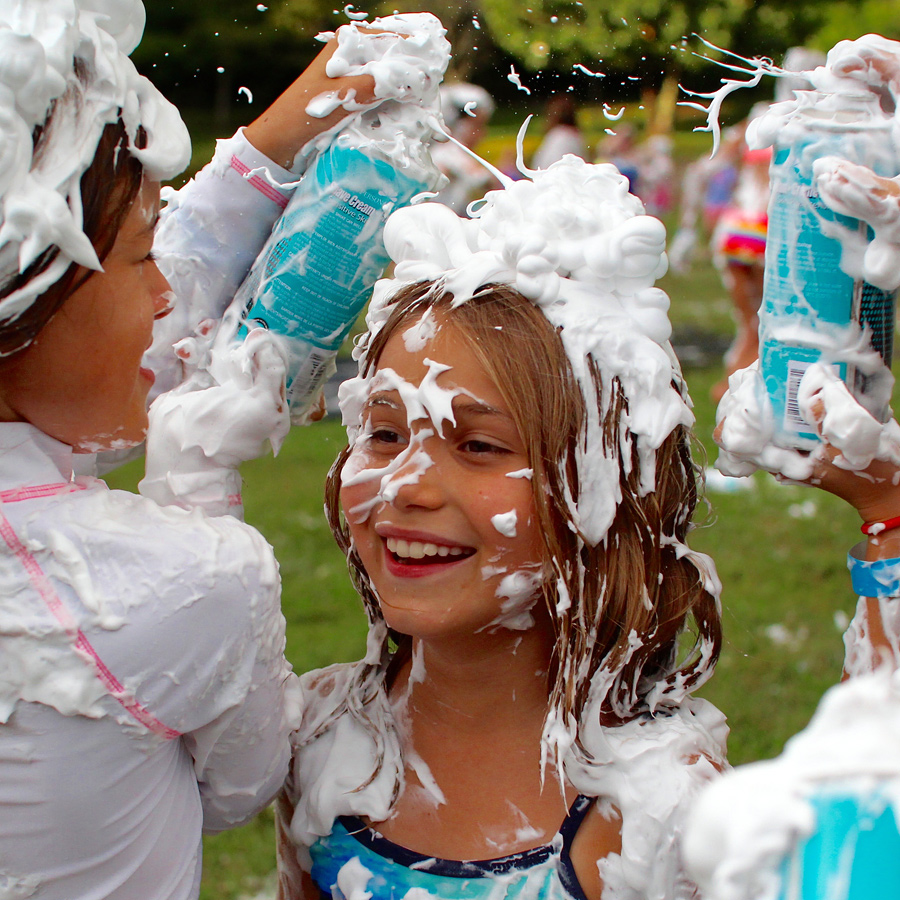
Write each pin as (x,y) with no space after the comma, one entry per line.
(467,109)
(514,503)
(561,133)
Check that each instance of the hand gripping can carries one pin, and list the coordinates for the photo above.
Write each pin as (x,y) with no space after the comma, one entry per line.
(812,309)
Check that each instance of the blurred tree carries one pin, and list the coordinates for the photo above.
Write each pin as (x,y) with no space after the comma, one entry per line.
(647,44)
(850,20)
(652,39)
(200,54)
(473,47)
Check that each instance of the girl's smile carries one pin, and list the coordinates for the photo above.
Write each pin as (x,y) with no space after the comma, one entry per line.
(429,481)
(415,554)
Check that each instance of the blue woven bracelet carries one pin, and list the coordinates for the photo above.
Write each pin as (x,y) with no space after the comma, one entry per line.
(874,578)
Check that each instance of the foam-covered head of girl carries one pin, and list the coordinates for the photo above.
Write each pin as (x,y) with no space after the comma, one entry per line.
(84,144)
(519,447)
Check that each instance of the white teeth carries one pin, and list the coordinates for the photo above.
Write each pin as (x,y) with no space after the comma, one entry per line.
(419,550)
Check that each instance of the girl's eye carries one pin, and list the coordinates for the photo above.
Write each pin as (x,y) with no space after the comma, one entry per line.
(386,436)
(481,447)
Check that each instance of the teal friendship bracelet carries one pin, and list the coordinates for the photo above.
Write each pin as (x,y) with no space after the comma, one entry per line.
(876,578)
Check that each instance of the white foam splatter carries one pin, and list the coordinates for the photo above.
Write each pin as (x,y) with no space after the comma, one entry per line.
(521,473)
(586,71)
(417,336)
(516,80)
(519,592)
(505,523)
(352,880)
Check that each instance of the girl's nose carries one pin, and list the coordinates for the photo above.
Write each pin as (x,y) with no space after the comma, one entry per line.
(417,484)
(163,296)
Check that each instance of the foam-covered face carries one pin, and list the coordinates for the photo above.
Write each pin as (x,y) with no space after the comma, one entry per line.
(438,496)
(81,381)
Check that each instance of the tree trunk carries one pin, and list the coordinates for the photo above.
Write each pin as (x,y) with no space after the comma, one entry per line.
(663,121)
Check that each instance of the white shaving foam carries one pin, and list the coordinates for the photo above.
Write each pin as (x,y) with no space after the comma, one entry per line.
(406,55)
(745,825)
(505,523)
(519,592)
(40,197)
(516,80)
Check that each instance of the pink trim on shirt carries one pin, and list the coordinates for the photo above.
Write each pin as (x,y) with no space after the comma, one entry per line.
(263,186)
(46,591)
(34,491)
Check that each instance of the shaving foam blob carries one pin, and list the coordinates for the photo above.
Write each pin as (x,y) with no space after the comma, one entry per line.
(40,201)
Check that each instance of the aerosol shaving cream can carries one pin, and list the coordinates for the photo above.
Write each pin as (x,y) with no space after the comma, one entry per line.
(812,309)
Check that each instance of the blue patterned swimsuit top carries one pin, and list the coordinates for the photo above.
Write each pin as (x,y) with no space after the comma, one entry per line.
(356,860)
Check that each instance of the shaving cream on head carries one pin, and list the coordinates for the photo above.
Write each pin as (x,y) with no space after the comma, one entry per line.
(573,240)
(69,58)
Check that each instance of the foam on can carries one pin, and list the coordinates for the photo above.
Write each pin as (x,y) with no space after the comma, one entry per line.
(812,309)
(326,251)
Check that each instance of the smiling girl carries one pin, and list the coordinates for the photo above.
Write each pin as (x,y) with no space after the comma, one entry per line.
(514,504)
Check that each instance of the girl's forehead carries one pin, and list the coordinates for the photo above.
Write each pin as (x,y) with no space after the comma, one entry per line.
(446,357)
(439,380)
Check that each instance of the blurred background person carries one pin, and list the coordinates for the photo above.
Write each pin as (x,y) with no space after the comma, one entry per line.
(619,148)
(561,133)
(467,109)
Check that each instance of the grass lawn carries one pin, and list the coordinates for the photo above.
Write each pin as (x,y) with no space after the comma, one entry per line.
(780,553)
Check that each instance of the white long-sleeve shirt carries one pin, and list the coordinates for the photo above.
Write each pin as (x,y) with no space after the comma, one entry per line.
(142,678)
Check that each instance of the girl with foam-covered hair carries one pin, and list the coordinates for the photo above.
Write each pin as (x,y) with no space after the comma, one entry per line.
(514,504)
(143,688)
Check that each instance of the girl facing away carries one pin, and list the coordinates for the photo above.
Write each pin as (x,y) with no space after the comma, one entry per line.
(143,687)
(514,504)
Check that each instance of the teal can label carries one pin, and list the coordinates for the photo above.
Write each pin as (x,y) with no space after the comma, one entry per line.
(853,853)
(811,308)
(317,270)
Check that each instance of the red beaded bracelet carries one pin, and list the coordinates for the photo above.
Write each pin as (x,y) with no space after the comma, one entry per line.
(876,528)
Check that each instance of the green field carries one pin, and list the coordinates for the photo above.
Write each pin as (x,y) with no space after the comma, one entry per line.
(780,552)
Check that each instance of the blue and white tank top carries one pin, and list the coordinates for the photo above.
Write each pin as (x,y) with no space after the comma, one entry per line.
(354,861)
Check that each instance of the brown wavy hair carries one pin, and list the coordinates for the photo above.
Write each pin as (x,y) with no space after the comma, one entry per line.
(639,615)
